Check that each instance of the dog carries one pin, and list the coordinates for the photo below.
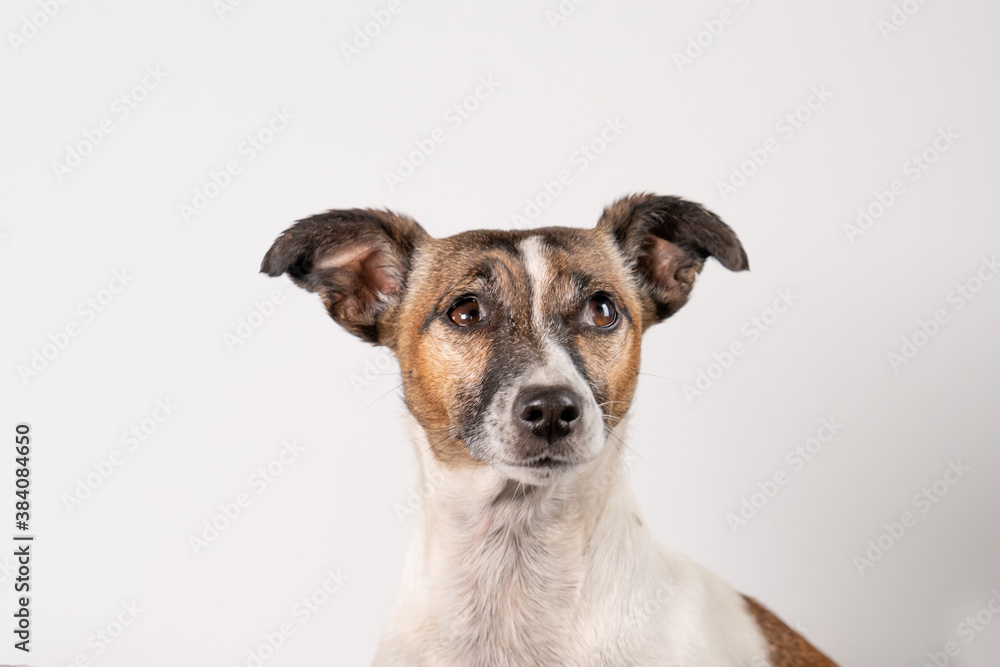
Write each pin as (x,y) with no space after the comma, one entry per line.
(519,356)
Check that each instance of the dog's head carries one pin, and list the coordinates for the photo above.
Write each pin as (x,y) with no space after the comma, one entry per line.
(518,349)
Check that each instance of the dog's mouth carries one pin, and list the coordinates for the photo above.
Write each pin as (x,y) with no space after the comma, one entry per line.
(542,469)
(546,462)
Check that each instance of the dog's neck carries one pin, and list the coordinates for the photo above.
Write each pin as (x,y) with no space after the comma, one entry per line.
(501,564)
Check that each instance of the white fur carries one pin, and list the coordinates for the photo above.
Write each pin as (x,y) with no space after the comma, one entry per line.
(532,249)
(566,574)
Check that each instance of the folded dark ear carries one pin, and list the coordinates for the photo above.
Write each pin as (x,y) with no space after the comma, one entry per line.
(357,260)
(666,241)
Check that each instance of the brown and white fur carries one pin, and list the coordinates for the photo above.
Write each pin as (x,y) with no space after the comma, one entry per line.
(519,353)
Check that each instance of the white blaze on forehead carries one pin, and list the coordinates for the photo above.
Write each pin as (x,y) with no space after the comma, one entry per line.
(540,275)
(553,367)
(556,367)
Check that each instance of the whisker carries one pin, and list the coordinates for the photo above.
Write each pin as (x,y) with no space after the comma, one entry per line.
(398,386)
(432,447)
(662,377)
(625,445)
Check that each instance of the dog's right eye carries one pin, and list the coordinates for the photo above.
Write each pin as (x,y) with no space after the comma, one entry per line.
(600,312)
(466,312)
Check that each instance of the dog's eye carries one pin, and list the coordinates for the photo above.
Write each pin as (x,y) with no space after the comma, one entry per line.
(466,312)
(600,311)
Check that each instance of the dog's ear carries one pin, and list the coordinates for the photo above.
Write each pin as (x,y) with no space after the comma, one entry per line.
(357,260)
(666,241)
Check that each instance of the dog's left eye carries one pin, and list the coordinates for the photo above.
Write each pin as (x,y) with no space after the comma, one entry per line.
(600,311)
(466,312)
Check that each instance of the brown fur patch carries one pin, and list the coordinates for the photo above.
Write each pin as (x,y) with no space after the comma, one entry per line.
(787,648)
(611,361)
(443,367)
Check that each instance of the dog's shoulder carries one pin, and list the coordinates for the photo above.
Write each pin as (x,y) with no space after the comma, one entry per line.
(787,648)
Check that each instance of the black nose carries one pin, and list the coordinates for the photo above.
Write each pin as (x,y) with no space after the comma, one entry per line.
(548,412)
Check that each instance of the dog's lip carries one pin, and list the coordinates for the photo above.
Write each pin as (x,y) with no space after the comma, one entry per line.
(545,461)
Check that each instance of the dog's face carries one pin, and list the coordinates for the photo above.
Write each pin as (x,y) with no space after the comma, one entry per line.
(517,349)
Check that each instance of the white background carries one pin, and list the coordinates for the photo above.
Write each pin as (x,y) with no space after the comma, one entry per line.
(298,376)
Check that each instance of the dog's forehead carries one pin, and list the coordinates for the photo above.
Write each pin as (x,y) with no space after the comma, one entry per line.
(516,256)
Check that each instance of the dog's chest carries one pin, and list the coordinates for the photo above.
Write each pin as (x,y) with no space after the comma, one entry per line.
(512,596)
(499,593)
